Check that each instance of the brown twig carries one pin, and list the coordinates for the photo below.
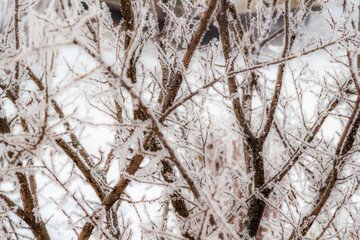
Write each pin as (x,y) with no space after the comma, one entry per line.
(37,227)
(88,174)
(114,195)
(280,76)
(194,43)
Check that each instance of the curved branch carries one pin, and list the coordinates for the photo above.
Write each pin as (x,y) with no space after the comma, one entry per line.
(37,227)
(194,43)
(113,196)
(280,76)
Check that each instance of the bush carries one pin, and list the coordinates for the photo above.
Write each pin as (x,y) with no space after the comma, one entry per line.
(130,130)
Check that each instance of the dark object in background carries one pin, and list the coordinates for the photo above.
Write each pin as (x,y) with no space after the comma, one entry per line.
(211,33)
(117,16)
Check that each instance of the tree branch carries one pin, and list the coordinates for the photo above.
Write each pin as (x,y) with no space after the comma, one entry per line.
(194,43)
(280,76)
(82,167)
(37,227)
(114,195)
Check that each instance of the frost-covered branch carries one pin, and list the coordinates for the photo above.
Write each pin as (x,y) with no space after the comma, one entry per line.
(178,119)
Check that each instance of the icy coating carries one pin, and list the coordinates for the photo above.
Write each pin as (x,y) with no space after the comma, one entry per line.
(139,129)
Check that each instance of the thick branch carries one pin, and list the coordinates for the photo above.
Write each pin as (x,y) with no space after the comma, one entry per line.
(82,167)
(114,195)
(257,205)
(194,43)
(280,76)
(128,15)
(36,224)
(233,89)
(37,228)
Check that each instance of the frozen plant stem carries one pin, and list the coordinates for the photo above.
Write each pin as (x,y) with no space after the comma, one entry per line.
(254,145)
